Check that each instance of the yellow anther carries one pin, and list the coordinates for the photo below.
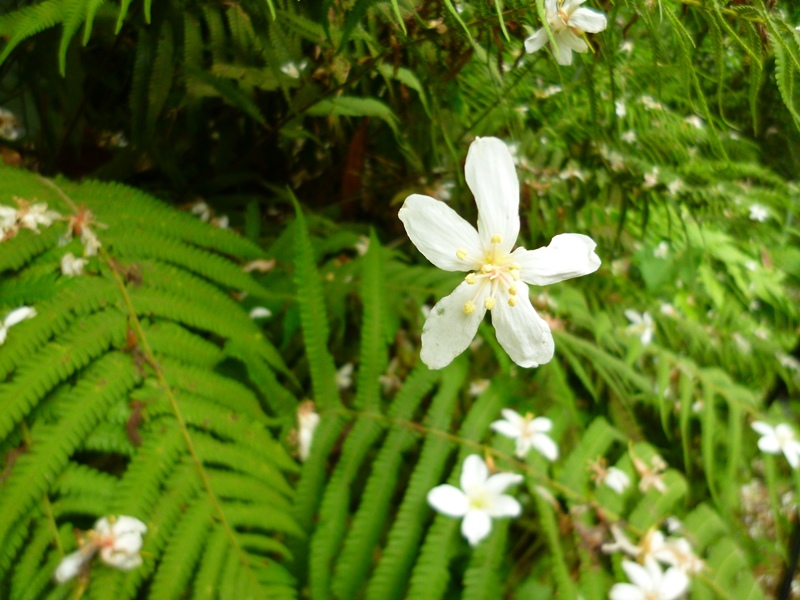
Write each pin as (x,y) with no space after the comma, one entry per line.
(469,307)
(489,303)
(514,274)
(470,278)
(487,268)
(461,254)
(512,301)
(512,290)
(496,239)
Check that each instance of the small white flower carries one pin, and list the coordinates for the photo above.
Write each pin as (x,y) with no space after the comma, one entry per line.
(292,69)
(780,438)
(626,46)
(629,136)
(650,103)
(758,213)
(662,250)
(307,421)
(649,582)
(202,210)
(642,325)
(668,310)
(14,317)
(788,362)
(651,476)
(552,90)
(568,23)
(675,186)
(528,432)
(10,127)
(221,222)
(695,121)
(651,179)
(90,242)
(619,108)
(30,216)
(571,173)
(71,266)
(479,500)
(617,479)
(477,387)
(344,376)
(8,221)
(498,278)
(260,312)
(362,245)
(119,541)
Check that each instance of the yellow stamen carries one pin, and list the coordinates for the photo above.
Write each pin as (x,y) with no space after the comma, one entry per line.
(512,290)
(489,303)
(497,239)
(461,254)
(487,268)
(512,301)
(469,307)
(470,278)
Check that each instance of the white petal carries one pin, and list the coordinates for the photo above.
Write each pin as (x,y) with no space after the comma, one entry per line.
(589,20)
(545,446)
(507,429)
(523,446)
(504,506)
(522,333)
(476,526)
(493,180)
(120,560)
(440,233)
(498,482)
(792,454)
(541,425)
(71,565)
(564,53)
(536,41)
(448,330)
(570,5)
(763,428)
(103,527)
(448,500)
(769,445)
(571,41)
(626,591)
(3,334)
(19,314)
(568,255)
(513,417)
(125,524)
(674,584)
(474,473)
(638,575)
(551,7)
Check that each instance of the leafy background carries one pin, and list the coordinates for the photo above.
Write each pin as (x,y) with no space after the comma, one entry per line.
(143,387)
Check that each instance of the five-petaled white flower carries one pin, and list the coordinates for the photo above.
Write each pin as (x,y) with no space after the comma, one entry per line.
(641,325)
(758,213)
(649,582)
(14,317)
(498,278)
(778,439)
(528,432)
(118,539)
(480,498)
(568,22)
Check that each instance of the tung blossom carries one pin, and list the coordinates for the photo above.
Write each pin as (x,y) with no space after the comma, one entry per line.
(13,318)
(569,22)
(498,277)
(117,539)
(780,438)
(528,432)
(479,500)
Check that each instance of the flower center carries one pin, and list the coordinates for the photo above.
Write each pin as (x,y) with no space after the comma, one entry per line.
(496,271)
(479,499)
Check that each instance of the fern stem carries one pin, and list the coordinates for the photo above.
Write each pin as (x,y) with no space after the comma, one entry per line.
(156,366)
(46,506)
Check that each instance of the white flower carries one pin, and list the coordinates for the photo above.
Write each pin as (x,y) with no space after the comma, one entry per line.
(668,310)
(629,136)
(30,216)
(641,324)
(675,186)
(8,221)
(662,250)
(307,421)
(780,438)
(118,539)
(568,24)
(617,479)
(626,46)
(649,582)
(552,90)
(344,376)
(10,127)
(292,69)
(260,312)
(695,121)
(758,213)
(477,387)
(221,222)
(676,552)
(479,500)
(90,242)
(71,266)
(619,108)
(651,476)
(498,277)
(528,432)
(650,103)
(202,210)
(15,316)
(651,179)
(572,173)
(362,245)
